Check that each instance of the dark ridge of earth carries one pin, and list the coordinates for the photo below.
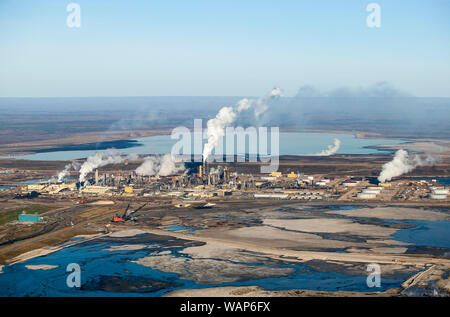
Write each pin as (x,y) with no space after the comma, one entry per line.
(118,144)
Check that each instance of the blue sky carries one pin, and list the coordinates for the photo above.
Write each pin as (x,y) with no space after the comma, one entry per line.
(221,48)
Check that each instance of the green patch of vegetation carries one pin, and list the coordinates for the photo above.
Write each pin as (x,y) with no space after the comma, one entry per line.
(10,215)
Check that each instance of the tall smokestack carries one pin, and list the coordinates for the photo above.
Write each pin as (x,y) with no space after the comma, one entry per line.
(96,176)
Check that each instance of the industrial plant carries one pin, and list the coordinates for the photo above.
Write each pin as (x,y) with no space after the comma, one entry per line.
(218,180)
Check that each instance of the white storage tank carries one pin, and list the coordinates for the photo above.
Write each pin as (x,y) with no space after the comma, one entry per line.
(438,196)
(367,195)
(439,190)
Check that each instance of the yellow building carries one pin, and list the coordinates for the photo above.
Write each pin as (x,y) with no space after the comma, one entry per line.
(128,189)
(276,174)
(385,184)
(291,175)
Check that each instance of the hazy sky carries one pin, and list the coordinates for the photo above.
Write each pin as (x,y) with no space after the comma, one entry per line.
(221,47)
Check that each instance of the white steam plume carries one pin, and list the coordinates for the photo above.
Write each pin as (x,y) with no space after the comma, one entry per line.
(216,129)
(227,115)
(148,168)
(402,163)
(261,103)
(159,165)
(73,165)
(215,171)
(168,166)
(332,149)
(110,156)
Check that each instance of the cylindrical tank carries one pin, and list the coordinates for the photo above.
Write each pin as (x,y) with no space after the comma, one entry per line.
(438,196)
(440,191)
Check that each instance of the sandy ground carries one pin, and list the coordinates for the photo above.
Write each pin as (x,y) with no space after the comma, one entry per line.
(102,203)
(302,256)
(277,238)
(387,250)
(331,226)
(210,250)
(126,233)
(255,291)
(394,213)
(125,247)
(229,253)
(41,267)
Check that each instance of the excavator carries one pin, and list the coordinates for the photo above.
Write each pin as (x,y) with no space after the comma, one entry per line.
(128,214)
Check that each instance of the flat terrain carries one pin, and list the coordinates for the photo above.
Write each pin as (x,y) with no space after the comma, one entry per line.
(233,237)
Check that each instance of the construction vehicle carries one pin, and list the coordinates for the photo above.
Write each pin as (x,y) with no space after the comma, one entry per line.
(128,214)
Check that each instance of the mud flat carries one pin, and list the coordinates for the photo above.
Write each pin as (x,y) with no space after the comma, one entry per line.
(277,238)
(331,226)
(255,291)
(126,233)
(125,247)
(288,249)
(41,267)
(210,271)
(294,255)
(394,213)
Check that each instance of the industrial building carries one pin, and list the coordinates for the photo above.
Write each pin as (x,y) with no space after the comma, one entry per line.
(205,181)
(439,193)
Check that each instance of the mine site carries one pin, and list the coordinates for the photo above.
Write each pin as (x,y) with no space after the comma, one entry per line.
(225,156)
(150,226)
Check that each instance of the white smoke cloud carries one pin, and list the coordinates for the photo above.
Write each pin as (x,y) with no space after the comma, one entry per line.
(261,104)
(402,163)
(332,149)
(244,104)
(159,165)
(148,168)
(110,156)
(73,165)
(216,129)
(215,171)
(169,167)
(227,115)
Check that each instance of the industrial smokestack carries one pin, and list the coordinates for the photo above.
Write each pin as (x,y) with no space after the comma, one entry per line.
(110,156)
